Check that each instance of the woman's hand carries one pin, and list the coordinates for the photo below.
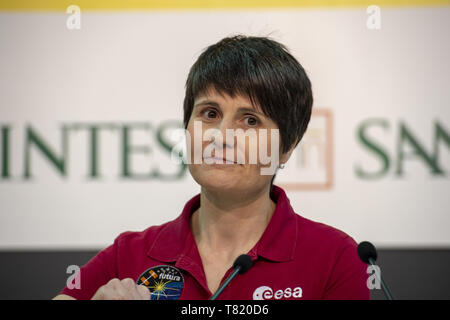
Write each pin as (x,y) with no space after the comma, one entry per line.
(124,289)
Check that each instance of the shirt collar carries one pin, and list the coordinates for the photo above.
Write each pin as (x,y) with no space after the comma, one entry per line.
(277,243)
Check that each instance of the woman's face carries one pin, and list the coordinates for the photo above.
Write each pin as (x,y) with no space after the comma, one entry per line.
(212,115)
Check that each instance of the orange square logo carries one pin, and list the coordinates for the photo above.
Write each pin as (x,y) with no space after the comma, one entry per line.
(310,166)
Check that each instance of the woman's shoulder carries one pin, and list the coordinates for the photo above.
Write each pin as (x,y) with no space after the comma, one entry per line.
(143,237)
(322,235)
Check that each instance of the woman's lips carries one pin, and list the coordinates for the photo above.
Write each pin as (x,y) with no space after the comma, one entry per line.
(216,160)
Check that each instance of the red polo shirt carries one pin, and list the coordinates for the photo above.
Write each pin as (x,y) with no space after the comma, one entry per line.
(295,258)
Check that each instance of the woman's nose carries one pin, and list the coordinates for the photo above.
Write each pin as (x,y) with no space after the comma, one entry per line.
(219,135)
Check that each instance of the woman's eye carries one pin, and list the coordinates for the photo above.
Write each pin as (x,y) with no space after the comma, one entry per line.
(209,113)
(251,121)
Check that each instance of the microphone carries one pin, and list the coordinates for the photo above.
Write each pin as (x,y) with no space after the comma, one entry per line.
(368,254)
(241,265)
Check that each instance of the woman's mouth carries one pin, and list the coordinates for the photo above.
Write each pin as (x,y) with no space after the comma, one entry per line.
(216,160)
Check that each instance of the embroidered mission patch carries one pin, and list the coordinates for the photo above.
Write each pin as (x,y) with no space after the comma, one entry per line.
(164,282)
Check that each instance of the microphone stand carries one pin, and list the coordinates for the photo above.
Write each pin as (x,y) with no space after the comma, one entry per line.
(386,291)
(225,284)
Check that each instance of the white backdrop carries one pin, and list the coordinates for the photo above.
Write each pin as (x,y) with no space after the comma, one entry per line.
(129,68)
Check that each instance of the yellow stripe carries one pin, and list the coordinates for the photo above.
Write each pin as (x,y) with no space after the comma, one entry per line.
(61,5)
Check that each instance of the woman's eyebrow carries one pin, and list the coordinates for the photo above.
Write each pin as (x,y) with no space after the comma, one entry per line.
(207,102)
(215,104)
(246,109)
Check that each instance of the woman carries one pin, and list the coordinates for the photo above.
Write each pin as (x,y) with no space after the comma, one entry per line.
(248,83)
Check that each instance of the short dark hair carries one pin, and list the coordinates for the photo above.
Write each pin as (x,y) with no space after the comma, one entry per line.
(261,69)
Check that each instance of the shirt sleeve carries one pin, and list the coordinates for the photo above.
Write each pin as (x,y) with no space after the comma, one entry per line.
(348,279)
(94,274)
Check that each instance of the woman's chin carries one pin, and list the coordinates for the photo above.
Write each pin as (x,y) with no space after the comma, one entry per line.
(219,181)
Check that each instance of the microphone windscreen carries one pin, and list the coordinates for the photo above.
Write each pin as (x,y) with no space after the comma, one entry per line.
(244,262)
(366,250)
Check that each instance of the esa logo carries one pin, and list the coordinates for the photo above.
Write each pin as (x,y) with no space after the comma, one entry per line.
(266,293)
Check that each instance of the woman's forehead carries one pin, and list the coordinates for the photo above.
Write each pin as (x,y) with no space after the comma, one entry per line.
(212,95)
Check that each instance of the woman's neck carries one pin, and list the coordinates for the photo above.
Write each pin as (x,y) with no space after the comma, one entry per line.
(226,226)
